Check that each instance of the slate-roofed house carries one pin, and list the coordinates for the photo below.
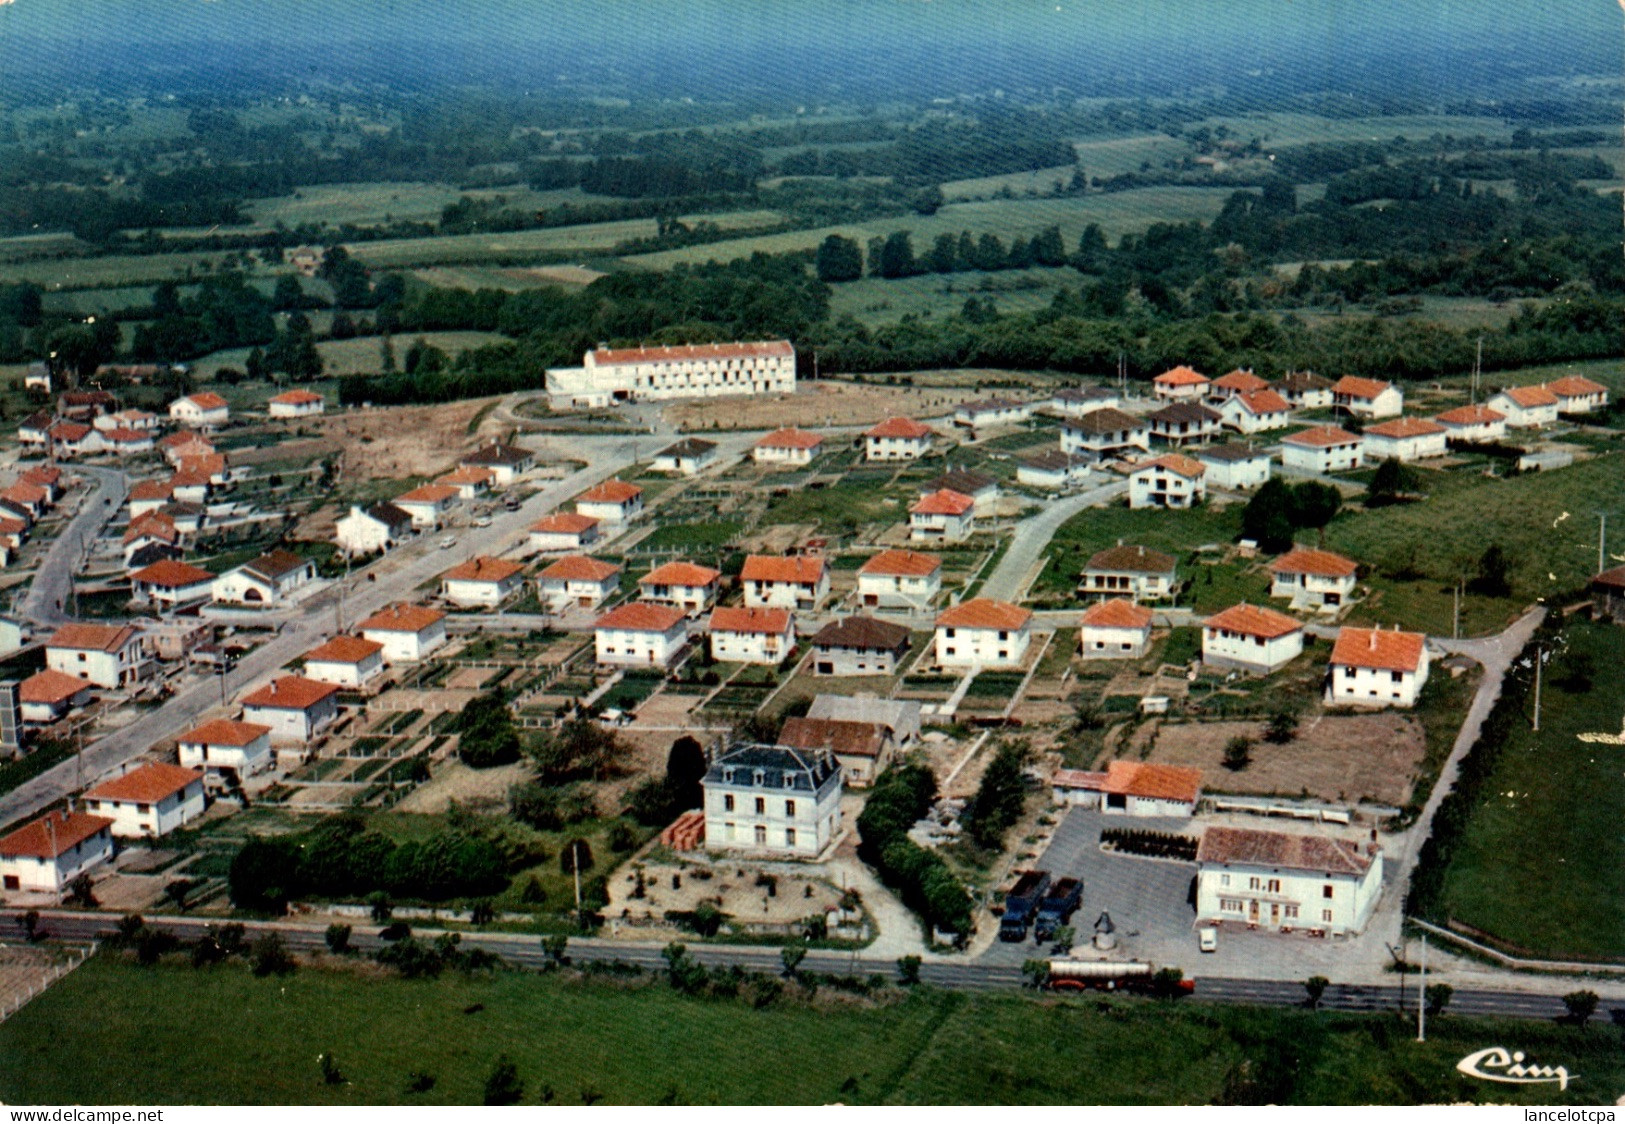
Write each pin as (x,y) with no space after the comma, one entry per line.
(268,580)
(372,529)
(687,457)
(1235,467)
(1104,433)
(772,800)
(1184,423)
(505,462)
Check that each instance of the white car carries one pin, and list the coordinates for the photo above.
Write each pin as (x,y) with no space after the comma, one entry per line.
(1207,939)
(448,542)
(482,520)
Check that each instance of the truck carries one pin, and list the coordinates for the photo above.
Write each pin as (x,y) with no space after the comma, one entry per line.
(1060,902)
(1106,975)
(1021,903)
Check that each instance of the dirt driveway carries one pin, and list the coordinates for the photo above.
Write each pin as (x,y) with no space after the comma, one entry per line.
(819,404)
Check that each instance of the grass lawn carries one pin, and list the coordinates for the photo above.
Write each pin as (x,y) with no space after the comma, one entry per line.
(639,1042)
(842,507)
(359,356)
(1542,863)
(1095,529)
(691,536)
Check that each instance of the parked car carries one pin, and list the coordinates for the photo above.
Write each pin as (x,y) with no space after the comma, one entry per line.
(448,542)
(1207,939)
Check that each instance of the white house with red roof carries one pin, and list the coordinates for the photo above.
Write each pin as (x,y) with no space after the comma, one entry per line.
(800,582)
(1367,398)
(942,516)
(1323,449)
(1525,407)
(897,439)
(482,581)
(204,410)
(577,581)
(682,585)
(1313,579)
(608,376)
(1273,880)
(1405,439)
(1373,667)
(1114,630)
(762,636)
(1181,384)
(900,579)
(1237,382)
(298,403)
(1130,788)
(787,446)
(1473,423)
(224,746)
(470,481)
(427,505)
(1171,480)
(171,582)
(1577,394)
(1251,638)
(409,633)
(110,656)
(47,854)
(296,709)
(352,662)
(1256,411)
(983,633)
(640,634)
(613,501)
(46,696)
(149,801)
(563,530)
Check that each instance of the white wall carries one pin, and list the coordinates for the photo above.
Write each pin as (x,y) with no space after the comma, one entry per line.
(990,647)
(1298,898)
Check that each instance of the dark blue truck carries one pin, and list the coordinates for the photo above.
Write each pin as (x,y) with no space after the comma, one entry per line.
(1021,903)
(1062,900)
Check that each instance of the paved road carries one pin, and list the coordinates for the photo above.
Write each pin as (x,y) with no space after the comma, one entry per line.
(1018,567)
(958,974)
(48,593)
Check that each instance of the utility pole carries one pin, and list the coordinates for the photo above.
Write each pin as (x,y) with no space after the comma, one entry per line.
(1455,615)
(1540,659)
(1478,364)
(1421,995)
(1602,541)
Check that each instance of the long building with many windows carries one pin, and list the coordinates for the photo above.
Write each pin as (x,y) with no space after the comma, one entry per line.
(608,376)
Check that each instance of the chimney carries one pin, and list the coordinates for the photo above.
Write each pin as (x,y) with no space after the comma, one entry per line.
(1373,644)
(273,687)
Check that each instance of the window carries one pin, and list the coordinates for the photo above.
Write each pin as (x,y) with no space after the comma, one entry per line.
(1275,885)
(789,837)
(761,806)
(1290,911)
(1230,905)
(728,802)
(790,808)
(1254,883)
(1325,915)
(761,834)
(1326,890)
(1224,880)
(1399,677)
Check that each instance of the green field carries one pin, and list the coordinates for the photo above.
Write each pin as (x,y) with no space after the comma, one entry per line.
(358,356)
(587,238)
(1095,529)
(1542,862)
(136,1034)
(1117,213)
(875,300)
(113,270)
(363,203)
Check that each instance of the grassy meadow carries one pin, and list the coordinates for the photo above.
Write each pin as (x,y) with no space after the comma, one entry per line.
(639,1042)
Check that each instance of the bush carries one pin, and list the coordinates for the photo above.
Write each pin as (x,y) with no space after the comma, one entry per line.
(1238,754)
(503,1086)
(270,956)
(901,795)
(1001,797)
(1157,844)
(338,938)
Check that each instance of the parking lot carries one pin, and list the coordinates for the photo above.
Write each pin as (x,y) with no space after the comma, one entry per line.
(1152,906)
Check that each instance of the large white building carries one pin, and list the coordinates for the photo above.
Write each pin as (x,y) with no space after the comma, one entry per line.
(612,375)
(1273,880)
(149,801)
(772,800)
(1374,668)
(985,633)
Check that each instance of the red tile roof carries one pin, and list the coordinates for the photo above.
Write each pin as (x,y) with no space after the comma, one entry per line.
(154,524)
(51,687)
(53,834)
(604,357)
(206,400)
(773,621)
(42,474)
(297,398)
(402,618)
(1153,782)
(680,573)
(171,573)
(984,613)
(1180,376)
(906,428)
(223,731)
(1242,382)
(481,568)
(1470,415)
(25,494)
(790,438)
(1116,613)
(1379,649)
(1401,428)
(291,692)
(1248,847)
(1306,560)
(146,784)
(802,570)
(1575,386)
(564,523)
(843,737)
(429,493)
(944,502)
(1264,402)
(69,432)
(467,474)
(344,649)
(610,491)
(92,637)
(1322,437)
(1254,620)
(151,490)
(206,465)
(641,616)
(578,568)
(902,563)
(1366,389)
(1176,463)
(1614,578)
(1530,397)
